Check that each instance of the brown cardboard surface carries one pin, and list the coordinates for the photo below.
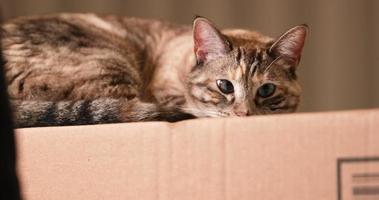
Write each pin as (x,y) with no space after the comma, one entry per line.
(298,156)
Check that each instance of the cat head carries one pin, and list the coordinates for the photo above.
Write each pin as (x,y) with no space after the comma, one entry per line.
(241,73)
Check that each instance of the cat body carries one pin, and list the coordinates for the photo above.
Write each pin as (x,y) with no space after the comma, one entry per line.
(69,69)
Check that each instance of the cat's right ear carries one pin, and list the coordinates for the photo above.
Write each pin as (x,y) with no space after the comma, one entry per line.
(209,43)
(289,45)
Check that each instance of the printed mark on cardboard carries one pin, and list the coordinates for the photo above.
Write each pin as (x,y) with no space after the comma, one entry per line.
(358,178)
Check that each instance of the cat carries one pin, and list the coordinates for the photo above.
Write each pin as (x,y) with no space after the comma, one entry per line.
(72,69)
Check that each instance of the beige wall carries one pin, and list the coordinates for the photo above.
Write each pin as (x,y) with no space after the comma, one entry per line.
(340,66)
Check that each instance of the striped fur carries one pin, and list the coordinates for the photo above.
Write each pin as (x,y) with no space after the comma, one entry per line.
(81,112)
(70,69)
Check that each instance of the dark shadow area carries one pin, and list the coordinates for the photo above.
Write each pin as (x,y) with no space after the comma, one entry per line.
(8,178)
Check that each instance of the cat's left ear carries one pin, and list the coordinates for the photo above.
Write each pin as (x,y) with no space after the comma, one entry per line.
(289,45)
(209,42)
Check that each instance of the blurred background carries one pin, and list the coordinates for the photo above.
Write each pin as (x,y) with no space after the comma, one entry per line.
(340,64)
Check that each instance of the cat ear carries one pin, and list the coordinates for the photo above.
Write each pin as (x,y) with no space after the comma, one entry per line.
(290,45)
(209,42)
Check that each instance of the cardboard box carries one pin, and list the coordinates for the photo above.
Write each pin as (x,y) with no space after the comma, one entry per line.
(311,156)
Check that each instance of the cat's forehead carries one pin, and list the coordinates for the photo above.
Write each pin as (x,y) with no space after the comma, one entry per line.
(247,38)
(244,61)
(235,65)
(255,64)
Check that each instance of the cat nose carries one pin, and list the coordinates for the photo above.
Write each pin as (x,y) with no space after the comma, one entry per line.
(241,110)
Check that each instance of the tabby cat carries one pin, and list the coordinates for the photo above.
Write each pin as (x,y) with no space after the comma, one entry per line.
(70,69)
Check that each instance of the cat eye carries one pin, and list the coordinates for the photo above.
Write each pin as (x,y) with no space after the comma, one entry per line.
(266,90)
(225,86)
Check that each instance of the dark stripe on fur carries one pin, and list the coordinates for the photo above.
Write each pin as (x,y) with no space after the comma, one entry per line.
(34,113)
(99,111)
(49,115)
